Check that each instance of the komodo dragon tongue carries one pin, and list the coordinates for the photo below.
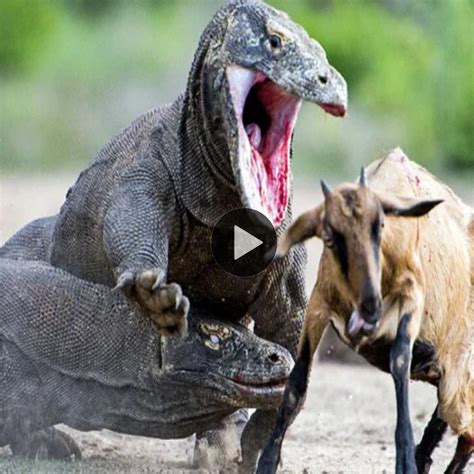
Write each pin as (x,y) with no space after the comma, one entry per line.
(252,69)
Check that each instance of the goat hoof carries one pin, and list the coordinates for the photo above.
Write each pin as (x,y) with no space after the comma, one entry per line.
(423,464)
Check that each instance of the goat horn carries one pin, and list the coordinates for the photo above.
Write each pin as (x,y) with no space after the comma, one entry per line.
(362,180)
(326,189)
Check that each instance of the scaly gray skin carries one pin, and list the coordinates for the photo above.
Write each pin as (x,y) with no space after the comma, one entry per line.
(142,214)
(31,242)
(79,353)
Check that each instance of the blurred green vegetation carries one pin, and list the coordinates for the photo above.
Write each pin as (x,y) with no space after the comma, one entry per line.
(412,62)
(73,72)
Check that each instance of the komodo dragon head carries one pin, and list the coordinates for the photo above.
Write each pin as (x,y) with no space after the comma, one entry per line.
(252,69)
(229,365)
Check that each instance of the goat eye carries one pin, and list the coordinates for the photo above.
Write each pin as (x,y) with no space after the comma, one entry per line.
(275,42)
(214,339)
(327,238)
(329,243)
(376,227)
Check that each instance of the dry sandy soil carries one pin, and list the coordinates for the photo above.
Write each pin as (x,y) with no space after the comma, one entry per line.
(346,427)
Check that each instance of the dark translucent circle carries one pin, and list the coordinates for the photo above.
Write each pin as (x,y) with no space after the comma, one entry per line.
(222,242)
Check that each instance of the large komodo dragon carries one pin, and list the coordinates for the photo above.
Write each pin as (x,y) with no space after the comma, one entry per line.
(78,353)
(141,215)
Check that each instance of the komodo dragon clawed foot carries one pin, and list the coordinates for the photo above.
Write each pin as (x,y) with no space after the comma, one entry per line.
(219,449)
(165,304)
(49,443)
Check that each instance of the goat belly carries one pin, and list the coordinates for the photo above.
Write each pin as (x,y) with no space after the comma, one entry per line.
(424,364)
(377,353)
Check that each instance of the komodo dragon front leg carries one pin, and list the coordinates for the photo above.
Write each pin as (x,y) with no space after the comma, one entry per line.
(136,233)
(49,443)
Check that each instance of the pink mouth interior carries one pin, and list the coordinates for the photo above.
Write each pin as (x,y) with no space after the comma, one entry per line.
(269,117)
(266,115)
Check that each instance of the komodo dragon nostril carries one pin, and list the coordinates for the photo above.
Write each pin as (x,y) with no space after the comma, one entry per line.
(274,357)
(323,79)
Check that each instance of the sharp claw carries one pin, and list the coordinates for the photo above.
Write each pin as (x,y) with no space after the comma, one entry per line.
(183,326)
(178,297)
(125,279)
(185,305)
(159,280)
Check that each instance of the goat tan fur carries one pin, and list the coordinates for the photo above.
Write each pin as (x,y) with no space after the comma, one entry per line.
(426,270)
(430,261)
(427,262)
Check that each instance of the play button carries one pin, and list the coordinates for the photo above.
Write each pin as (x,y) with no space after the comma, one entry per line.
(243,242)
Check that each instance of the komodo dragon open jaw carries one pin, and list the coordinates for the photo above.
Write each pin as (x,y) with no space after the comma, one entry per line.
(266,65)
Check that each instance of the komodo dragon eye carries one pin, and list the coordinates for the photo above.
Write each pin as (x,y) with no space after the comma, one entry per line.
(214,334)
(213,342)
(275,42)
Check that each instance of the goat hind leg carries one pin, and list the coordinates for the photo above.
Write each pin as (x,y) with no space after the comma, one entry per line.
(464,450)
(432,435)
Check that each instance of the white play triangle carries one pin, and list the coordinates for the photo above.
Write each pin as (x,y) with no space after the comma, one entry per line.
(244,242)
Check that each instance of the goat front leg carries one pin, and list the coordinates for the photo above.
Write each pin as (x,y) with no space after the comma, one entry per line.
(295,392)
(292,402)
(400,361)
(432,435)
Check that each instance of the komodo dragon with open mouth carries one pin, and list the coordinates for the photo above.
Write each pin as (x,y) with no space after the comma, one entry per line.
(140,217)
(75,352)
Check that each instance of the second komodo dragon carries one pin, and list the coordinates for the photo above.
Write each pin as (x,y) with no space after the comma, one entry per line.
(77,353)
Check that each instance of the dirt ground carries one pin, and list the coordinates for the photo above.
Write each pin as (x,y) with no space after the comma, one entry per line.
(347,424)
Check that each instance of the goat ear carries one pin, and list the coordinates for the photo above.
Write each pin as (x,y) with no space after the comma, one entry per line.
(307,225)
(407,206)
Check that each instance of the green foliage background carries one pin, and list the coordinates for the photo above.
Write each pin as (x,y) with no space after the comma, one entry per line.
(411,61)
(73,72)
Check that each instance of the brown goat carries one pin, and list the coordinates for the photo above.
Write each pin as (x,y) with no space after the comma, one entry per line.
(398,291)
